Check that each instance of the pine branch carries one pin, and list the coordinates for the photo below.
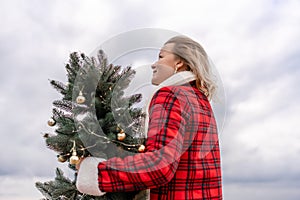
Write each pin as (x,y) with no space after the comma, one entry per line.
(102,59)
(59,143)
(114,76)
(136,98)
(71,72)
(60,188)
(64,105)
(75,61)
(59,86)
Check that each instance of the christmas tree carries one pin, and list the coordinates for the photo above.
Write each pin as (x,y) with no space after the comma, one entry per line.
(93,118)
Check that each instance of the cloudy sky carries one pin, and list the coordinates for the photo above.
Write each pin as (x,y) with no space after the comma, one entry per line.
(254,45)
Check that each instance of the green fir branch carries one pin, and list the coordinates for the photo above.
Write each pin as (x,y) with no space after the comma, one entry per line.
(64,105)
(59,86)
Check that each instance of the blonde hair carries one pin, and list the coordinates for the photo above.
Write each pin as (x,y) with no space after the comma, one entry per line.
(195,57)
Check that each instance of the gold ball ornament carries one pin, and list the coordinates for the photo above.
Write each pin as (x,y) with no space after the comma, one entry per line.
(141,149)
(51,122)
(74,159)
(80,99)
(121,136)
(62,158)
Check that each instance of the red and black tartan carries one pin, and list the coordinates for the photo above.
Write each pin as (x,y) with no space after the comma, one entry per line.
(182,158)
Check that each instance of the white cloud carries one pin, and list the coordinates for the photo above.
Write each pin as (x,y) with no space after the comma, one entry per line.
(18,188)
(261,140)
(262,190)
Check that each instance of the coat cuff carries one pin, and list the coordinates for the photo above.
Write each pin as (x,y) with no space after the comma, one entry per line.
(87,177)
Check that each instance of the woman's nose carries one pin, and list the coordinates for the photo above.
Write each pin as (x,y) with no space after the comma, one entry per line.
(153,65)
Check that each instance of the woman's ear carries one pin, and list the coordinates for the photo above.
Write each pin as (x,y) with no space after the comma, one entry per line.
(180,64)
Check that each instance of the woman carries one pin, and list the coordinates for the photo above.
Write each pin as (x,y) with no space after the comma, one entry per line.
(182,157)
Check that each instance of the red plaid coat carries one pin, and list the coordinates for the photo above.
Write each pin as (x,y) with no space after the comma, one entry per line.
(182,158)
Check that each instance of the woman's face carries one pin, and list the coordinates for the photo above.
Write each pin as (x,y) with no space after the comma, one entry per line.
(165,66)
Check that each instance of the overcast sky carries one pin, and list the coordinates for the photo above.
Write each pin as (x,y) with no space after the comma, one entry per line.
(254,45)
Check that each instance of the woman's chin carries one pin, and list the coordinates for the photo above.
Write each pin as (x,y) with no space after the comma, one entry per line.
(154,82)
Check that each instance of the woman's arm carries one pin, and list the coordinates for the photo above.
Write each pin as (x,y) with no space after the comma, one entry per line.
(168,116)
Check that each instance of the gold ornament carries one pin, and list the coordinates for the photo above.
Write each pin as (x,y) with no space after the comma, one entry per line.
(141,149)
(62,158)
(80,99)
(74,158)
(51,122)
(121,136)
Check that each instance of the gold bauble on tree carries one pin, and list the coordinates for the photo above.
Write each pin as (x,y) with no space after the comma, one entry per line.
(141,148)
(51,122)
(74,159)
(121,136)
(80,99)
(62,158)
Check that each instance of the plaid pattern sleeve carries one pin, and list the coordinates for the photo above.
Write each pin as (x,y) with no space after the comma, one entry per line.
(182,158)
